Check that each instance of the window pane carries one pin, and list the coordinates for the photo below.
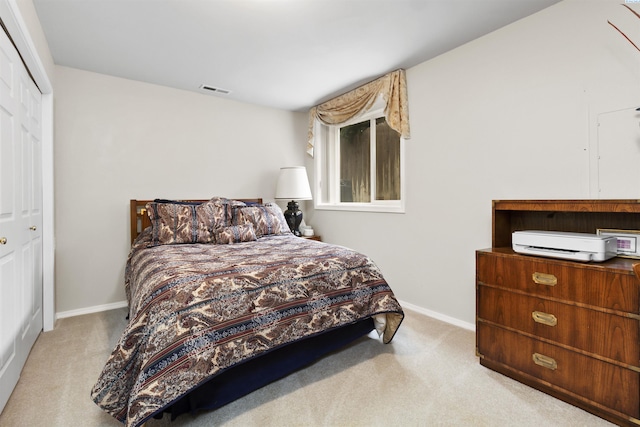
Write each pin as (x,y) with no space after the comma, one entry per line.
(355,163)
(387,161)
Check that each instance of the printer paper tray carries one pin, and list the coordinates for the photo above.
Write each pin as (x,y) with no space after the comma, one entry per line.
(556,253)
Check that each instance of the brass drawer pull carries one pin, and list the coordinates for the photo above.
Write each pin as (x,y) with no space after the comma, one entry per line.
(545,361)
(3,240)
(544,318)
(33,228)
(545,279)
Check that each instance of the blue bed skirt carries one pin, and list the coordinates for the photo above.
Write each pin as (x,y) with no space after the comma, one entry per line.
(253,374)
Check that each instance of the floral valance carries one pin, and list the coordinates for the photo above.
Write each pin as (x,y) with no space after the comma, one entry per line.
(392,87)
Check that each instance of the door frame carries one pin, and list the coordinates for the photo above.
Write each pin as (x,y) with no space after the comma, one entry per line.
(15,24)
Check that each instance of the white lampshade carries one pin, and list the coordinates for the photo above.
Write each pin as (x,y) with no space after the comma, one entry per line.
(293,184)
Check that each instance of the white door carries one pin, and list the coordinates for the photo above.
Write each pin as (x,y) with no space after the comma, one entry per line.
(619,154)
(20,216)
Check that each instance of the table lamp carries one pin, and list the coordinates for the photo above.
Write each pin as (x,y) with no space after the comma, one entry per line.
(293,185)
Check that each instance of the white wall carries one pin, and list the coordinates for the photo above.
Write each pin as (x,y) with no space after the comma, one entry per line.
(28,13)
(119,139)
(509,116)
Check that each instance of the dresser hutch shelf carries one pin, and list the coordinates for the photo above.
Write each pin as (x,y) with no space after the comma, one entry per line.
(570,329)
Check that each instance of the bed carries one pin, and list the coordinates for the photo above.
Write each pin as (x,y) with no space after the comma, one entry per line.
(224,299)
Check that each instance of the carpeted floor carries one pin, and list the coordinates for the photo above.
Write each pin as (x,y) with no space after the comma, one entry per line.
(428,376)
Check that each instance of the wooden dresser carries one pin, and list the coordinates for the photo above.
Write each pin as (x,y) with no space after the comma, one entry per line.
(569,329)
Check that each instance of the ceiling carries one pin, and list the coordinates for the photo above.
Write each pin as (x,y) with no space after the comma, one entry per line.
(287,54)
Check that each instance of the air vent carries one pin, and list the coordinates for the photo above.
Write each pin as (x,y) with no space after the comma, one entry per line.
(212,89)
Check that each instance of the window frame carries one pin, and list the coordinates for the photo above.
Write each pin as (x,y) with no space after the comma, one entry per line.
(327,170)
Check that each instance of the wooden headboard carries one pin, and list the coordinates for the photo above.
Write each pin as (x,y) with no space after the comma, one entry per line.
(140,220)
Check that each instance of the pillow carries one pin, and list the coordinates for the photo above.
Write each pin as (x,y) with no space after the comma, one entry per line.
(267,219)
(235,234)
(176,222)
(223,211)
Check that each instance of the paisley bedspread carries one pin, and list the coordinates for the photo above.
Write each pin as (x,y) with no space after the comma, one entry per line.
(198,309)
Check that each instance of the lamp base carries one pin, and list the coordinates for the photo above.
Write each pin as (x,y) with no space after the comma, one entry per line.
(293,215)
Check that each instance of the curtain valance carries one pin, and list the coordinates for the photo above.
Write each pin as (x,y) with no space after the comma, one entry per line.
(392,87)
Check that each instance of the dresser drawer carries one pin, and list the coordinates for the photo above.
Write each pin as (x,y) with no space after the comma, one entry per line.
(590,379)
(611,336)
(582,283)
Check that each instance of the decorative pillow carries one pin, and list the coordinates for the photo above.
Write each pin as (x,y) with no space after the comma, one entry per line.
(235,234)
(267,219)
(176,222)
(223,211)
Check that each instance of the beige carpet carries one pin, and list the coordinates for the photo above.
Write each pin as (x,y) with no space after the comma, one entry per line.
(428,376)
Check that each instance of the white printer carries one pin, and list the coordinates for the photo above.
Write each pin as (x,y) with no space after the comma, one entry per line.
(565,245)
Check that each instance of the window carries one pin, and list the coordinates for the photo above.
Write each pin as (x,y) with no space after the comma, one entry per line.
(360,166)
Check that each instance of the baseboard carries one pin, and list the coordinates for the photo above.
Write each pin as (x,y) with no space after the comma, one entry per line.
(413,307)
(439,316)
(89,310)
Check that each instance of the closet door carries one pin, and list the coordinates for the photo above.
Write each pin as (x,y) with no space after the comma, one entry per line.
(20,216)
(31,211)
